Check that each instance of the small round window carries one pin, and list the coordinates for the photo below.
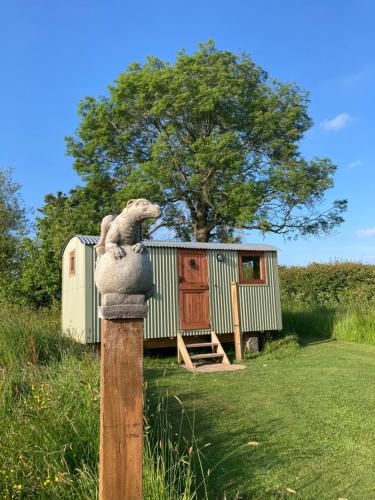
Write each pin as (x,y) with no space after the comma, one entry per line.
(193,264)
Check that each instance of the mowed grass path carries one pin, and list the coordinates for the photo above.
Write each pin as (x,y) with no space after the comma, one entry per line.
(312,413)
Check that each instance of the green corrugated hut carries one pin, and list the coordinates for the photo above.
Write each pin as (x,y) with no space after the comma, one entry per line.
(193,290)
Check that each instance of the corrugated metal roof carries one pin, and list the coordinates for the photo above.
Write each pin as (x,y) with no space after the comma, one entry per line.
(210,246)
(93,240)
(88,240)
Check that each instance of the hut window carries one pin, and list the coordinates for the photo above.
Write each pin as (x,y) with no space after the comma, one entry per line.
(72,263)
(252,267)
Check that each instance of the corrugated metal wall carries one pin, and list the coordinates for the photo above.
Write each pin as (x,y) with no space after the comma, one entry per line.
(276,282)
(95,301)
(92,297)
(162,319)
(221,274)
(260,304)
(90,291)
(73,307)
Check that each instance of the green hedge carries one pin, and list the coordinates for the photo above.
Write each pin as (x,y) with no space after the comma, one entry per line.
(328,284)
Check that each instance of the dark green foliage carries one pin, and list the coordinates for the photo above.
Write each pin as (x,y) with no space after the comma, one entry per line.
(328,284)
(12,217)
(12,228)
(60,218)
(213,139)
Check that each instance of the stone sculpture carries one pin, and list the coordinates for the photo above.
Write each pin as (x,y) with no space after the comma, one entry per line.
(123,273)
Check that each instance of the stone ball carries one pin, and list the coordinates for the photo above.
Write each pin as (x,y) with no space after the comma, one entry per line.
(132,274)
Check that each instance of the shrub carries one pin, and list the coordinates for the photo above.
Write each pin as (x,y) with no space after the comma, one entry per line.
(328,284)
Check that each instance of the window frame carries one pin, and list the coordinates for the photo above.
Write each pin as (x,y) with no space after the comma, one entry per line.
(263,275)
(72,259)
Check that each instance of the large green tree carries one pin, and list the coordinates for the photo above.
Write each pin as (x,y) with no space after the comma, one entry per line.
(13,226)
(61,217)
(215,140)
(12,221)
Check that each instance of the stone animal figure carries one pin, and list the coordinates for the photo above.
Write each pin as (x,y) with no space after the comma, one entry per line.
(125,229)
(123,273)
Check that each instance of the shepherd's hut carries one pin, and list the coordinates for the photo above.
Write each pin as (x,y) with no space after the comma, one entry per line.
(193,290)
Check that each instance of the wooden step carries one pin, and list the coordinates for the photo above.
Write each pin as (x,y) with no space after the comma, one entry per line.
(205,356)
(202,344)
(184,355)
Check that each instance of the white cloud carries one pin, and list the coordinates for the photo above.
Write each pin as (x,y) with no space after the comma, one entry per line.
(358,77)
(338,122)
(354,164)
(366,233)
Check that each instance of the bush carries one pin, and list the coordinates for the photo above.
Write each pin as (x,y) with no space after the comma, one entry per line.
(328,284)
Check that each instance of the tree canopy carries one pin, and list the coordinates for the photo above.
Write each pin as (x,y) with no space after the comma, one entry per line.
(12,230)
(212,138)
(12,219)
(61,217)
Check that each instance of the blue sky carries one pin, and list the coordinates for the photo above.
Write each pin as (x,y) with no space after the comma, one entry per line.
(55,53)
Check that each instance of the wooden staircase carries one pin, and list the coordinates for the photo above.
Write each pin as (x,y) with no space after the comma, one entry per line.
(190,360)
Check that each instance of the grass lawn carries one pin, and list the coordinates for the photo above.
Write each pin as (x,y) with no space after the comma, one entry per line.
(311,411)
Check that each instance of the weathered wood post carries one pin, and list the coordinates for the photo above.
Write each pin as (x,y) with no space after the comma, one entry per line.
(237,330)
(123,276)
(121,410)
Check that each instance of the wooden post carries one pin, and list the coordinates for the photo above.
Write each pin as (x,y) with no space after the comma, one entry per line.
(236,321)
(121,410)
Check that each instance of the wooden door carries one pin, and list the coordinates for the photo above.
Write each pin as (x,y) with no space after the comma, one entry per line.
(193,289)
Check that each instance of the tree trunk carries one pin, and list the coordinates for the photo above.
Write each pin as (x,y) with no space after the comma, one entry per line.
(200,225)
(202,234)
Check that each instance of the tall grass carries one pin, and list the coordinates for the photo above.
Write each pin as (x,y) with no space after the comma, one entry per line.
(49,403)
(348,322)
(170,457)
(335,300)
(49,418)
(355,324)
